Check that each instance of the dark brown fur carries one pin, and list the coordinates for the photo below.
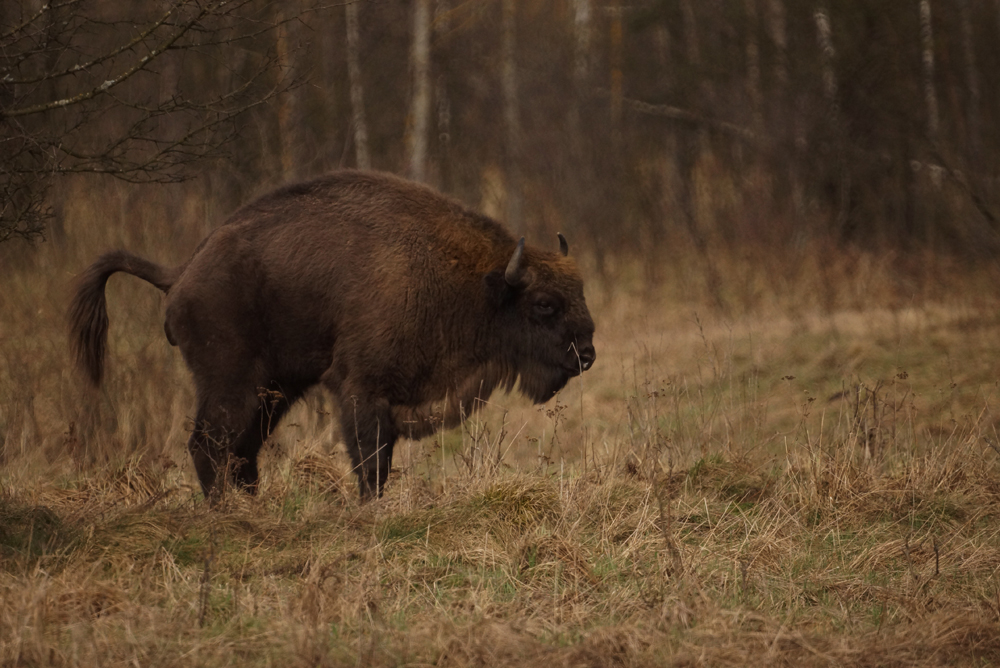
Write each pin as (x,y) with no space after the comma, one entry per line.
(391,295)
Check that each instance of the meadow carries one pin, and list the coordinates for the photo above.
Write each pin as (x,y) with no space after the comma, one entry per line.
(794,464)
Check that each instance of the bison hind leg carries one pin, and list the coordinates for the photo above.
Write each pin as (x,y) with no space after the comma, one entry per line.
(229,433)
(369,431)
(274,403)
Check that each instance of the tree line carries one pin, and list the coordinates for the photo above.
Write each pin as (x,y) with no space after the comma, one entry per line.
(630,125)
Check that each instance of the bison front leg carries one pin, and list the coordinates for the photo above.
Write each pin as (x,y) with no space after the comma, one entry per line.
(217,426)
(370,434)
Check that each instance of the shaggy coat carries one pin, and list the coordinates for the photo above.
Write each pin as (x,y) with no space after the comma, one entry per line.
(407,306)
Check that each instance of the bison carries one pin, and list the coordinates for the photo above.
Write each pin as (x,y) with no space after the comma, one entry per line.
(407,306)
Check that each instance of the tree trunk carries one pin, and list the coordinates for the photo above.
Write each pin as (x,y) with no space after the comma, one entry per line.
(617,88)
(784,115)
(827,53)
(841,177)
(691,45)
(754,93)
(971,83)
(286,127)
(442,25)
(362,158)
(581,34)
(776,26)
(930,95)
(689,149)
(581,74)
(512,117)
(420,109)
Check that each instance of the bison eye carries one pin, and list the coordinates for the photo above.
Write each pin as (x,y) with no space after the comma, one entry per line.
(544,307)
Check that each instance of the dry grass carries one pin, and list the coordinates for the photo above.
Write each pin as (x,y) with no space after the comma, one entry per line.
(803,475)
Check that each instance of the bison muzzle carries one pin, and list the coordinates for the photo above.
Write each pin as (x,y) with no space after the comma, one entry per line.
(408,307)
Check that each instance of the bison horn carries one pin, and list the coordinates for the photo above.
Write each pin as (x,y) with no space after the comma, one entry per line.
(515,271)
(563,246)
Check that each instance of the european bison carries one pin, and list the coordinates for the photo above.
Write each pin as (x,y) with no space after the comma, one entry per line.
(406,305)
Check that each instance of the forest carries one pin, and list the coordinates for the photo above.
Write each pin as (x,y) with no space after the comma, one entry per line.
(635,127)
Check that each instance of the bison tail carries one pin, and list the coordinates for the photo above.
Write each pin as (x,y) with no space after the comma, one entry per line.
(88,313)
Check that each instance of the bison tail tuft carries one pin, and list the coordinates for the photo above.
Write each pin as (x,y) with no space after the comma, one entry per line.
(88,312)
(88,322)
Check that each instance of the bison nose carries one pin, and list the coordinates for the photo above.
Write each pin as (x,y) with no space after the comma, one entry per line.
(587,356)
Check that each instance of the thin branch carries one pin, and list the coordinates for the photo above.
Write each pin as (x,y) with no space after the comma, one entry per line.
(138,39)
(110,83)
(687,116)
(34,17)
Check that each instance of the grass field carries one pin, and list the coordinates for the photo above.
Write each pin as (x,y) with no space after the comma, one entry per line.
(804,474)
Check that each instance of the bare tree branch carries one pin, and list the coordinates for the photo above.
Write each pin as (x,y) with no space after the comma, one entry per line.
(138,39)
(108,84)
(79,92)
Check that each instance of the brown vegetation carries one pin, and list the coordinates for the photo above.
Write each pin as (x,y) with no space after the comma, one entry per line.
(808,477)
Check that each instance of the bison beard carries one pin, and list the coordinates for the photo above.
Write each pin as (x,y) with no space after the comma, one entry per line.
(408,307)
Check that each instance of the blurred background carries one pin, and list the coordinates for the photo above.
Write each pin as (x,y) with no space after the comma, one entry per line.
(766,158)
(642,129)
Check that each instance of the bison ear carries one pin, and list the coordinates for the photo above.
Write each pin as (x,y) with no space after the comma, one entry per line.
(563,245)
(497,290)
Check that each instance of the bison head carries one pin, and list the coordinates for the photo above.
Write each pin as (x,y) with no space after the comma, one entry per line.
(545,330)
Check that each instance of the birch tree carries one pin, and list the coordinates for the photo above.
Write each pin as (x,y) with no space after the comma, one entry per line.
(828,54)
(442,26)
(927,54)
(358,121)
(581,72)
(512,115)
(420,108)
